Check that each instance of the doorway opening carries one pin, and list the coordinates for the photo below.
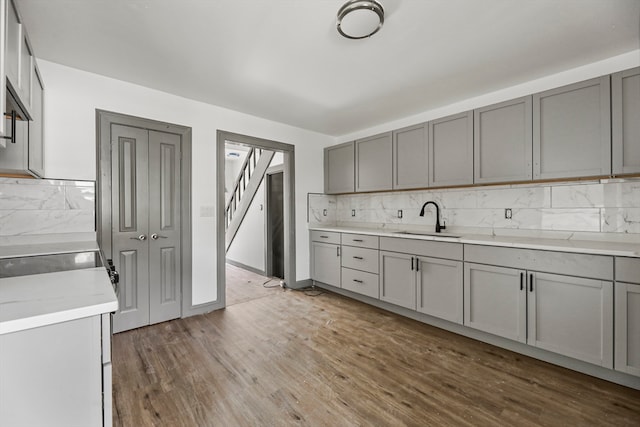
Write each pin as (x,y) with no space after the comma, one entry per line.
(255,195)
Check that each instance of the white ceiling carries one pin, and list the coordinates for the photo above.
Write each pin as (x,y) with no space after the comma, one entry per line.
(284,60)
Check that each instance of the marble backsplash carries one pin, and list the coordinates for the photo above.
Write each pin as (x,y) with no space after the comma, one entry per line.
(41,207)
(597,206)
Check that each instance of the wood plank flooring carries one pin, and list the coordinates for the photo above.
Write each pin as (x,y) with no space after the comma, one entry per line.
(285,358)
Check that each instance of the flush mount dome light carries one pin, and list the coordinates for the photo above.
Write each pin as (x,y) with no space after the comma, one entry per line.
(358,19)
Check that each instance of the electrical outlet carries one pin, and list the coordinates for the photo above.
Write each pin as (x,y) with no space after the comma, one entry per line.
(508,213)
(399,213)
(353,212)
(324,212)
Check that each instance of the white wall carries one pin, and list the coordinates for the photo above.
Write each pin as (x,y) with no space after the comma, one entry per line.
(596,69)
(248,246)
(72,96)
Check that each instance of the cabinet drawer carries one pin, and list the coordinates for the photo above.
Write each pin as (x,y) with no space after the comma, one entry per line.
(628,270)
(428,248)
(360,282)
(325,236)
(360,240)
(360,259)
(571,264)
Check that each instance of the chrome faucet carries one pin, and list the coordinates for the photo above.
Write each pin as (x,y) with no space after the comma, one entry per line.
(439,227)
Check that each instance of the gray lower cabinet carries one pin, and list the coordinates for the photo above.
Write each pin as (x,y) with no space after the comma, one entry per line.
(566,315)
(451,150)
(325,263)
(360,264)
(339,169)
(495,300)
(502,142)
(398,279)
(627,315)
(373,163)
(625,126)
(571,316)
(627,328)
(439,288)
(572,131)
(410,158)
(56,375)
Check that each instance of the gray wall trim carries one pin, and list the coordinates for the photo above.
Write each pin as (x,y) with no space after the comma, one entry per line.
(246,267)
(288,151)
(104,121)
(522,348)
(302,284)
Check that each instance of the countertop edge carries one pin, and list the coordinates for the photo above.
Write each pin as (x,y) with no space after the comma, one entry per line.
(25,323)
(536,243)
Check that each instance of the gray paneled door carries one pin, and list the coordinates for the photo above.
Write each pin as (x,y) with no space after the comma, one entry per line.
(146,225)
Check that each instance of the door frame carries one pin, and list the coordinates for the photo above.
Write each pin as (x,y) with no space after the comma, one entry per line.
(268,268)
(104,121)
(288,154)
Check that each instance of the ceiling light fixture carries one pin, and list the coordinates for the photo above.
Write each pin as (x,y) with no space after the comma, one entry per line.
(359,19)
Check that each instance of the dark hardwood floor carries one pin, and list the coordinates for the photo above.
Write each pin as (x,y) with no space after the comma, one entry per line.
(279,358)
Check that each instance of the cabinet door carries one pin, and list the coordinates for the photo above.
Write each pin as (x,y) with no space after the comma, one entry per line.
(52,375)
(451,150)
(495,300)
(373,163)
(3,56)
(625,103)
(410,158)
(439,288)
(572,130)
(502,142)
(325,263)
(627,328)
(13,40)
(26,65)
(36,135)
(339,167)
(571,316)
(398,279)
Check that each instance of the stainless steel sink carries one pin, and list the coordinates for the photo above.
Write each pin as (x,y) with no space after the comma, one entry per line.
(427,233)
(39,264)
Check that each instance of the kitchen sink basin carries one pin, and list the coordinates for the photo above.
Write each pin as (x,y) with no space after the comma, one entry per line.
(428,233)
(39,264)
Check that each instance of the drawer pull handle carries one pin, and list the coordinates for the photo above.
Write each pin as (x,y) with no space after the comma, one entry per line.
(358,281)
(358,240)
(324,237)
(358,257)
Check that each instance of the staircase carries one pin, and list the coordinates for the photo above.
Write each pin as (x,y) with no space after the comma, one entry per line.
(251,175)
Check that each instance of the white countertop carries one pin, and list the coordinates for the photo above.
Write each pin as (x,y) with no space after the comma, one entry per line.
(596,247)
(43,299)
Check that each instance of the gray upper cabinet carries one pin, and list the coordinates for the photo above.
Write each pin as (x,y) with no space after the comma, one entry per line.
(502,142)
(13,41)
(373,163)
(410,158)
(339,168)
(451,150)
(625,103)
(572,131)
(36,134)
